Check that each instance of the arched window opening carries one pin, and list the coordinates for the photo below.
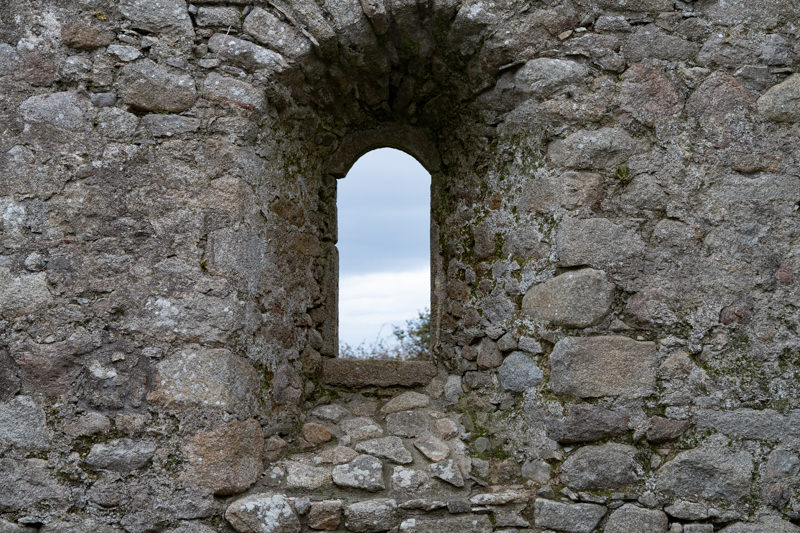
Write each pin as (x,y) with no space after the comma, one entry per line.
(383,208)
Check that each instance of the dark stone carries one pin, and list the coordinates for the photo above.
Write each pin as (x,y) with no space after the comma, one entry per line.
(373,373)
(587,422)
(664,429)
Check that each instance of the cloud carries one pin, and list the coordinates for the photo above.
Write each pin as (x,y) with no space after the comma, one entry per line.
(369,304)
(384,214)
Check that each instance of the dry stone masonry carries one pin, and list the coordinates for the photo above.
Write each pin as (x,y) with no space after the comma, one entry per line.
(615,257)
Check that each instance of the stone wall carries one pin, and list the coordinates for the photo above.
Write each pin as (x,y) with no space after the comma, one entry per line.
(615,252)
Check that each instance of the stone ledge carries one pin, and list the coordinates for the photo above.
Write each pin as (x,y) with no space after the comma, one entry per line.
(373,373)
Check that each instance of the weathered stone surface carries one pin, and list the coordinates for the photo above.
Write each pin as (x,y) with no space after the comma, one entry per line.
(315,433)
(263,513)
(371,516)
(719,95)
(754,424)
(604,149)
(447,471)
(120,455)
(168,125)
(226,90)
(23,424)
(374,373)
(65,110)
(76,525)
(595,241)
(519,372)
(650,42)
(325,515)
(85,36)
(665,429)
(9,376)
(464,524)
(330,413)
(336,455)
(391,448)
(10,527)
(633,519)
(245,54)
(211,378)
(648,95)
(408,480)
(781,103)
(607,466)
(363,472)
(361,428)
(302,476)
(543,76)
(88,424)
(227,460)
(591,367)
(149,86)
(276,34)
(488,355)
(408,423)
(578,299)
(587,422)
(28,482)
(573,518)
(164,16)
(404,402)
(765,524)
(432,448)
(710,474)
(214,16)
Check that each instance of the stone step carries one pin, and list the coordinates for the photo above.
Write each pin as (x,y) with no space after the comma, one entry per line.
(359,373)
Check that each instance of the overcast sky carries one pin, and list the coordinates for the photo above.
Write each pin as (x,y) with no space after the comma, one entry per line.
(384,245)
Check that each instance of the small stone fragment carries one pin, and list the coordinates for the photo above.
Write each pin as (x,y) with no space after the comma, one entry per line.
(665,429)
(220,89)
(576,299)
(781,102)
(226,460)
(572,518)
(489,356)
(391,448)
(633,519)
(330,413)
(23,424)
(336,455)
(325,515)
(151,87)
(447,471)
(363,472)
(263,513)
(409,480)
(432,448)
(406,401)
(408,423)
(361,428)
(519,372)
(82,36)
(371,516)
(585,422)
(591,367)
(446,428)
(316,433)
(472,523)
(712,473)
(121,455)
(302,476)
(607,466)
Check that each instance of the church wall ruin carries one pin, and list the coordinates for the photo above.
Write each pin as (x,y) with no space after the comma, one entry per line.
(616,249)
